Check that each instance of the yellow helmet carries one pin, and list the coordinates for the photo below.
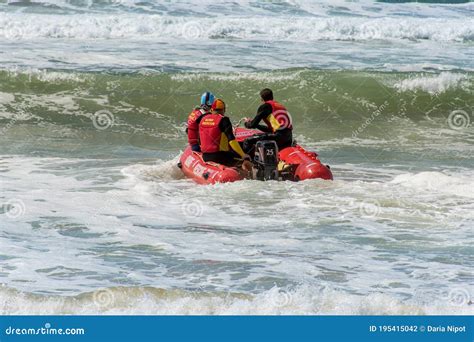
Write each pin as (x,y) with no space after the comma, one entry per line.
(218,105)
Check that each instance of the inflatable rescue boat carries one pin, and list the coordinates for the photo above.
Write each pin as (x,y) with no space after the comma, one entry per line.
(292,163)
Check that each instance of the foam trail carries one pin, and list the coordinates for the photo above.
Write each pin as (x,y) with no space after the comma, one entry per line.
(161,171)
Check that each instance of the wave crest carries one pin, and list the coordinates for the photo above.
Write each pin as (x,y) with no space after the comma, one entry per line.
(302,300)
(92,26)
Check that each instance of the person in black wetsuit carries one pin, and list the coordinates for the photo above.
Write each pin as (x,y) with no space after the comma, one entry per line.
(278,123)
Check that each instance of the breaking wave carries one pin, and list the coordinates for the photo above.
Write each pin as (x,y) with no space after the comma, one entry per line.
(138,26)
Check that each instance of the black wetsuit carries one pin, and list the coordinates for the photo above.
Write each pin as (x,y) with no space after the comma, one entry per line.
(283,137)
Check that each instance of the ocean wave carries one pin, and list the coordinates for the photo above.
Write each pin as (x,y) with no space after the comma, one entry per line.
(47,76)
(302,300)
(433,84)
(437,182)
(73,98)
(126,26)
(212,8)
(273,77)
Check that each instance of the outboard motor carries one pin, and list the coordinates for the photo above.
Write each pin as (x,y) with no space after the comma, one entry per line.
(266,160)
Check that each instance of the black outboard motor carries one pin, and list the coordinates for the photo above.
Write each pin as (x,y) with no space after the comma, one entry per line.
(266,160)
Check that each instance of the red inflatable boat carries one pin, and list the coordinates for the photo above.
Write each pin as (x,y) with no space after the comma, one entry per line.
(293,163)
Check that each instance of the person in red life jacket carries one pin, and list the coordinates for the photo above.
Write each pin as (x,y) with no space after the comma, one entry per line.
(278,123)
(195,116)
(217,138)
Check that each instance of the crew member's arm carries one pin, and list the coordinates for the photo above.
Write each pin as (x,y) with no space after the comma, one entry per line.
(192,130)
(226,126)
(263,112)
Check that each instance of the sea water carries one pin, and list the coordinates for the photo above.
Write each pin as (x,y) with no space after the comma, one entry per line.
(95,217)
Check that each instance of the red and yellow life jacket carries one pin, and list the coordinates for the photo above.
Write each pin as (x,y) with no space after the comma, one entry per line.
(193,125)
(279,119)
(211,137)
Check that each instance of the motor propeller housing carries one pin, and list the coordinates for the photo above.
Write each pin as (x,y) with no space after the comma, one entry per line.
(266,160)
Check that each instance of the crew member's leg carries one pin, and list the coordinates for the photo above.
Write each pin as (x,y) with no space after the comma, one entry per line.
(224,158)
(284,139)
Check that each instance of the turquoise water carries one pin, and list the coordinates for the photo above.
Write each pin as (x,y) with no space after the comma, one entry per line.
(95,217)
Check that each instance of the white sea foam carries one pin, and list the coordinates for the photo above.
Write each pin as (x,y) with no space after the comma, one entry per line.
(110,223)
(49,76)
(302,300)
(19,26)
(162,170)
(239,76)
(438,182)
(248,34)
(6,98)
(137,225)
(362,8)
(433,84)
